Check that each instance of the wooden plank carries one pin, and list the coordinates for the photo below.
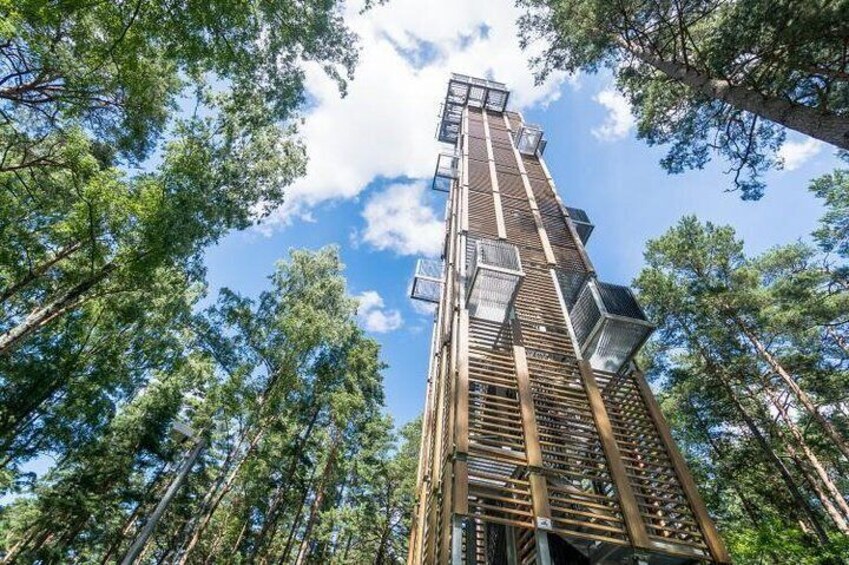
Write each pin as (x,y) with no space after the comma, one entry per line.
(543,236)
(714,542)
(461,487)
(493,179)
(585,258)
(526,404)
(539,495)
(627,500)
(464,175)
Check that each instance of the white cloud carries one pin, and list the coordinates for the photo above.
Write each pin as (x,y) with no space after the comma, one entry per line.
(619,120)
(385,126)
(399,219)
(373,316)
(795,153)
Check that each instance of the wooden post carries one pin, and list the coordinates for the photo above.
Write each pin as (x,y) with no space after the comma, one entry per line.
(627,500)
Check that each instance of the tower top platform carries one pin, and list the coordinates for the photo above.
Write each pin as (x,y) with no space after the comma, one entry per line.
(465,90)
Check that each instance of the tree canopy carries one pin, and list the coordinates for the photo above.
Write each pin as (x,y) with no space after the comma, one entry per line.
(709,77)
(751,359)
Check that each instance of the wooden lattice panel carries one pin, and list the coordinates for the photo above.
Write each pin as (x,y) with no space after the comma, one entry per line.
(499,492)
(665,510)
(495,424)
(482,214)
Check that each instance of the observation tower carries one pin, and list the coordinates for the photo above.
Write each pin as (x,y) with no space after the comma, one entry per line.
(542,442)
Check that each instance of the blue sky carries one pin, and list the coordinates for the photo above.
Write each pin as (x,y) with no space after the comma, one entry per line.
(372,155)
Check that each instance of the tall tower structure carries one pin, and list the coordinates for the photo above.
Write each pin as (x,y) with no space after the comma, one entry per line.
(542,442)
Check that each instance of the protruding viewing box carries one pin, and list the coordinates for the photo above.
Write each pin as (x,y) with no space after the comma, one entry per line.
(495,275)
(609,324)
(427,282)
(528,139)
(447,170)
(582,223)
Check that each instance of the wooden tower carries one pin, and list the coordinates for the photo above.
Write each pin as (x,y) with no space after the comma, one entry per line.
(541,441)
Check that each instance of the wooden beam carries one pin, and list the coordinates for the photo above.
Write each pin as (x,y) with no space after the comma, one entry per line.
(461,422)
(526,401)
(627,500)
(523,173)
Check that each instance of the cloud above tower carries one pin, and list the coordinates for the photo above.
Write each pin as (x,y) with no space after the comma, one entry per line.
(384,126)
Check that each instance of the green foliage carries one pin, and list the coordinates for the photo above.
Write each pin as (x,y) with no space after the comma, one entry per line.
(752,364)
(709,78)
(135,134)
(286,395)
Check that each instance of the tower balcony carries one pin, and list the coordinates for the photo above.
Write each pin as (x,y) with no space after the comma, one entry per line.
(427,282)
(582,223)
(465,90)
(528,139)
(495,272)
(609,324)
(447,170)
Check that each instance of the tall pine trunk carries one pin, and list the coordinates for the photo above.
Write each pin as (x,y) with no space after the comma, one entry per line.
(39,270)
(56,307)
(799,500)
(825,126)
(321,489)
(797,391)
(224,488)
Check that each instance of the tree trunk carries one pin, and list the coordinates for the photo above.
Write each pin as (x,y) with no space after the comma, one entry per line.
(813,460)
(824,498)
(43,315)
(206,517)
(321,488)
(800,395)
(39,270)
(838,339)
(719,455)
(296,523)
(825,126)
(153,490)
(281,493)
(799,499)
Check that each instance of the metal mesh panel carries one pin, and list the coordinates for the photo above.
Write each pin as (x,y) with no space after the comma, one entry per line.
(496,273)
(528,139)
(498,254)
(617,341)
(585,314)
(474,92)
(447,169)
(427,282)
(619,300)
(608,322)
(582,223)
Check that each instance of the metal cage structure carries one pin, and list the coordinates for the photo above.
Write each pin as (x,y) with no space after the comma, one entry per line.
(468,91)
(447,171)
(427,281)
(582,223)
(529,139)
(496,273)
(541,443)
(609,324)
